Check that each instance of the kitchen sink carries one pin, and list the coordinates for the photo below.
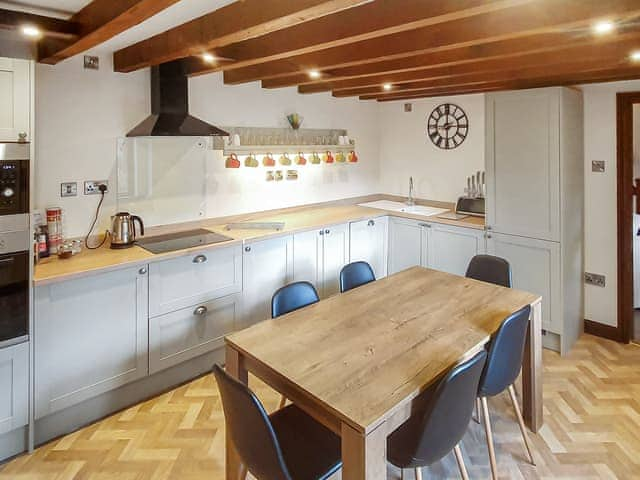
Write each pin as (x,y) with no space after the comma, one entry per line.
(404,208)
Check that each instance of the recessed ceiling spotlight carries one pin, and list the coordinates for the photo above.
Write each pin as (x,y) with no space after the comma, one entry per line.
(314,74)
(30,31)
(387,86)
(603,27)
(207,57)
(635,56)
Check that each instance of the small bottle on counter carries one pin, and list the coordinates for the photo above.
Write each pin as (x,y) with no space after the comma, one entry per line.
(43,242)
(54,229)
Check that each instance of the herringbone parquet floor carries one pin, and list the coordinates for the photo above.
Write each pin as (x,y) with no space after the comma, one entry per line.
(591,431)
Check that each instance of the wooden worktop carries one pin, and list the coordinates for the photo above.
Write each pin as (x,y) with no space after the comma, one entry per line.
(296,219)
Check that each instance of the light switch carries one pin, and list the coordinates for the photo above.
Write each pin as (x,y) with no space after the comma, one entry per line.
(597,166)
(69,189)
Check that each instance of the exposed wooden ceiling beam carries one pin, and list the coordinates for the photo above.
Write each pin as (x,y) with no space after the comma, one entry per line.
(550,47)
(454,56)
(547,80)
(539,17)
(236,22)
(613,53)
(382,17)
(560,70)
(48,26)
(99,21)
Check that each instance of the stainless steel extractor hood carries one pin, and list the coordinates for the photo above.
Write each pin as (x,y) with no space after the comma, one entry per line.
(170,107)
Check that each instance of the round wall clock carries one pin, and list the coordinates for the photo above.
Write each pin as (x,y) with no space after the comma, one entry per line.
(447,126)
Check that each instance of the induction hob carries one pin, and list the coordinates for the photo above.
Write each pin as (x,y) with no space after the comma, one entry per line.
(181,240)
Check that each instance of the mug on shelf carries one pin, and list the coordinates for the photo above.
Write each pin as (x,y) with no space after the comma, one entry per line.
(300,159)
(352,157)
(285,160)
(232,161)
(251,161)
(314,158)
(340,157)
(268,160)
(328,157)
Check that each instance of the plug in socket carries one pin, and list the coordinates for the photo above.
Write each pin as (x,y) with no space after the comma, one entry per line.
(91,186)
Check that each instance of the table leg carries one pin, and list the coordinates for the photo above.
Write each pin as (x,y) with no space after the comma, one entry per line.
(532,371)
(234,367)
(364,457)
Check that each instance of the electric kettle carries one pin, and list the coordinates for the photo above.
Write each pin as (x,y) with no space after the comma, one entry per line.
(123,230)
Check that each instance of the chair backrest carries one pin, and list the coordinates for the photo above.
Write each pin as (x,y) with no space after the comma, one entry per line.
(250,429)
(446,417)
(505,354)
(355,274)
(488,268)
(292,297)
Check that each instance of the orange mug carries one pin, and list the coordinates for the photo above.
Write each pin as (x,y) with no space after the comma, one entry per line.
(268,160)
(300,160)
(232,161)
(352,157)
(328,157)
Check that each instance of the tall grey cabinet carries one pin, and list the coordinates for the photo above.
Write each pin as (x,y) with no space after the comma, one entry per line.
(534,163)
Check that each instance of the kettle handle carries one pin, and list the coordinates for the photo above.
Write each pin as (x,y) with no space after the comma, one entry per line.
(135,218)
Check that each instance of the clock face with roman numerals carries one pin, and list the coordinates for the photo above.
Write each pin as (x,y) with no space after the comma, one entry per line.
(447,126)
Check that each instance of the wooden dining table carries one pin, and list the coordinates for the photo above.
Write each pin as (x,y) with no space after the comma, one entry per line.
(357,362)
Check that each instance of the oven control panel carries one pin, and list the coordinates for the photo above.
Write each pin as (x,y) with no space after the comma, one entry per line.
(13,187)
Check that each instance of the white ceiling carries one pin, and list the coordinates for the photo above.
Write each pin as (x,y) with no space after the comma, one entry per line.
(177,14)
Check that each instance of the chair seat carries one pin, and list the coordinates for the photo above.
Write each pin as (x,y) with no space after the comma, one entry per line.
(311,451)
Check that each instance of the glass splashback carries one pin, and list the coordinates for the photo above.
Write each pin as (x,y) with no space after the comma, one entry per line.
(162,179)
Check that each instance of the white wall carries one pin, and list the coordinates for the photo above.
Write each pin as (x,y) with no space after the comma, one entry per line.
(80,114)
(233,191)
(405,149)
(600,197)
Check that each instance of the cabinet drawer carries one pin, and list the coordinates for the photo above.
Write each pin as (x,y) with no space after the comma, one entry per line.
(192,279)
(191,331)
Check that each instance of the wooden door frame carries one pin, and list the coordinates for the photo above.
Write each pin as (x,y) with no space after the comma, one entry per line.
(625,102)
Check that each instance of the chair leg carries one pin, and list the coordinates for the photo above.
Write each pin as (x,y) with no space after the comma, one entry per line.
(418,473)
(487,428)
(523,429)
(463,469)
(478,407)
(283,402)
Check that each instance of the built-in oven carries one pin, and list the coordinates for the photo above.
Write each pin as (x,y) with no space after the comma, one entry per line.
(15,243)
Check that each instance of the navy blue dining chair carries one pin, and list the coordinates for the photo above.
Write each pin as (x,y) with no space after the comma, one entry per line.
(503,366)
(286,445)
(355,274)
(488,268)
(289,298)
(433,431)
(293,297)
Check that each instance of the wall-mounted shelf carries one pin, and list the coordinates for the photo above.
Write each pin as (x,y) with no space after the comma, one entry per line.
(290,149)
(258,140)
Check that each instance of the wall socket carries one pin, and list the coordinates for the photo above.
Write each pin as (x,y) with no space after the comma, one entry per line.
(594,279)
(91,186)
(597,166)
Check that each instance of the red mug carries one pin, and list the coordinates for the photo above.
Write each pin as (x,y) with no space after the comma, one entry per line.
(232,161)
